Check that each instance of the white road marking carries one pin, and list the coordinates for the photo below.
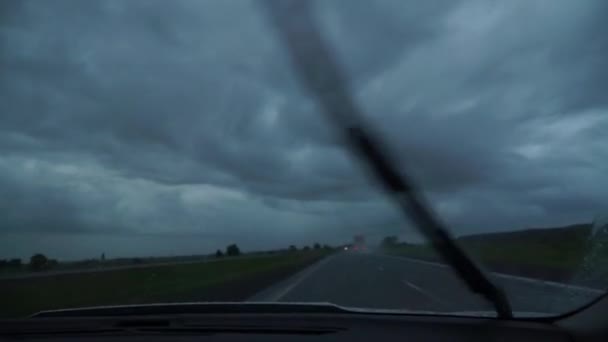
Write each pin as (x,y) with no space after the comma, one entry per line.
(430,263)
(510,276)
(549,283)
(424,292)
(299,279)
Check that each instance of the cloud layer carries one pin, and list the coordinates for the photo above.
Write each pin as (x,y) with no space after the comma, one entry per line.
(181,125)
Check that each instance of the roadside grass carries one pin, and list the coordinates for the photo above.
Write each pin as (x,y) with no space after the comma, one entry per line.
(166,283)
(559,254)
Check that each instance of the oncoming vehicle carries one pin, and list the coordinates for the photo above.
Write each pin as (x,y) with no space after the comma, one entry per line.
(359,243)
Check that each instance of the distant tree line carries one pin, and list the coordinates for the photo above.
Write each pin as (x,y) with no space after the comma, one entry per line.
(390,241)
(315,246)
(234,250)
(10,263)
(231,250)
(38,262)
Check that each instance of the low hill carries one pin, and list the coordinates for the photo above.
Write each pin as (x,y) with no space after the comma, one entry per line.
(576,231)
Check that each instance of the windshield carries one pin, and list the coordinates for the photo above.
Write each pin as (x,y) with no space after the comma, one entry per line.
(172,152)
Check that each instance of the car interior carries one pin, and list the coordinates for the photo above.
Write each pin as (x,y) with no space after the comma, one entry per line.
(310,322)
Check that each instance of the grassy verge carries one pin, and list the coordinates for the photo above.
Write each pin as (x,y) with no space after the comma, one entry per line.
(564,254)
(507,257)
(226,280)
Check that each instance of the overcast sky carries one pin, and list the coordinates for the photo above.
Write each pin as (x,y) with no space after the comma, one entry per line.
(178,127)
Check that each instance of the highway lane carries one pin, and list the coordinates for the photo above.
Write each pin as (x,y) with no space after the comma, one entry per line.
(386,282)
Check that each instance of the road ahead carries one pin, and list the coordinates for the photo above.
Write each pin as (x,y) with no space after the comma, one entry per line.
(368,280)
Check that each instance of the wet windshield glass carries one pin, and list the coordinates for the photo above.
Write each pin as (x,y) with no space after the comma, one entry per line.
(168,152)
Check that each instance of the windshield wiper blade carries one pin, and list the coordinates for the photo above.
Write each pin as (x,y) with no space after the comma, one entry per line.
(192,308)
(320,73)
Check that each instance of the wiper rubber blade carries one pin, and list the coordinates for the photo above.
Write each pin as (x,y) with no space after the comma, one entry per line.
(320,73)
(192,308)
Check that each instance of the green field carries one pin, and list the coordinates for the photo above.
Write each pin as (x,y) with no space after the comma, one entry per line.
(558,254)
(224,280)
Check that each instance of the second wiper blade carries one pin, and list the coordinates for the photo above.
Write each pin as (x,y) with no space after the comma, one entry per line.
(321,74)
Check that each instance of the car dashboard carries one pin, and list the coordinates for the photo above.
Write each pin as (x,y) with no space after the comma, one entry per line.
(280,327)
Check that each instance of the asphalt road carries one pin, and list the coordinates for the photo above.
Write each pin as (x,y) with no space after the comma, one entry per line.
(366,280)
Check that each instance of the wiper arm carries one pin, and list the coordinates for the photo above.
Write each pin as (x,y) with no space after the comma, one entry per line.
(321,74)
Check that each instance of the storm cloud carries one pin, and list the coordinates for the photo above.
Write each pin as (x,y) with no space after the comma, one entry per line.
(180,126)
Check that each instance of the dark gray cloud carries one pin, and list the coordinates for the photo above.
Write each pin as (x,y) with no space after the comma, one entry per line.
(184,122)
